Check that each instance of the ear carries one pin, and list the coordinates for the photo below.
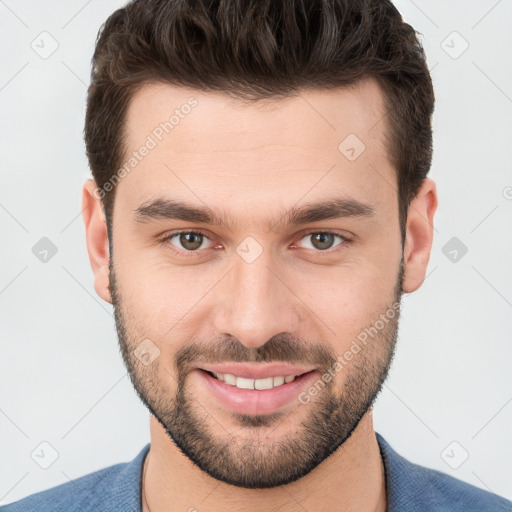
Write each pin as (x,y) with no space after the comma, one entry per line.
(419,235)
(97,238)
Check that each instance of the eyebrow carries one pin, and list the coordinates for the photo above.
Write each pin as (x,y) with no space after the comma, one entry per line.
(168,208)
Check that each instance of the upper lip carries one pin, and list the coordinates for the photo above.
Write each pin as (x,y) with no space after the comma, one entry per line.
(258,371)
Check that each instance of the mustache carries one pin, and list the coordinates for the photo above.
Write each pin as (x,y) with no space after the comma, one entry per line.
(280,348)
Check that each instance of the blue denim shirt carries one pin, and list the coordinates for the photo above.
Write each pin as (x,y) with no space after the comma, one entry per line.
(410,488)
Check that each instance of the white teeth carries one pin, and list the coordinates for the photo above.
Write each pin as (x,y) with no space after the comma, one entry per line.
(278,381)
(229,379)
(264,383)
(243,383)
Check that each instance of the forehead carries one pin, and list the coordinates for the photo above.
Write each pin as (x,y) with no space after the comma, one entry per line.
(209,148)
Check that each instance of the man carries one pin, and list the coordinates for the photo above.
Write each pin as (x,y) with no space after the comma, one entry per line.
(260,203)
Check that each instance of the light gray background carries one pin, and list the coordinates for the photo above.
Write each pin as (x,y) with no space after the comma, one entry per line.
(63,380)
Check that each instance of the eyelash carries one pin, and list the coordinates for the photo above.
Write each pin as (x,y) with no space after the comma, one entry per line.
(166,238)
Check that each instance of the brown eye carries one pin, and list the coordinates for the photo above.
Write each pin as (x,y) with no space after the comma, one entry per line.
(323,241)
(189,241)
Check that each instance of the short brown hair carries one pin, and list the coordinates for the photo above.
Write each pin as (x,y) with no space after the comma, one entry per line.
(258,49)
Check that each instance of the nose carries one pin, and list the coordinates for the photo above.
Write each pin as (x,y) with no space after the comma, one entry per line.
(255,302)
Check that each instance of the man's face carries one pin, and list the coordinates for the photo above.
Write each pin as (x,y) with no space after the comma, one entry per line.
(256,288)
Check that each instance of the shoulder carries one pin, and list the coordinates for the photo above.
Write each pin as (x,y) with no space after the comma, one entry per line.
(69,495)
(454,494)
(116,487)
(414,488)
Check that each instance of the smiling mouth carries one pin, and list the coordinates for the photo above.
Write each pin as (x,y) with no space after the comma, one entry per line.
(255,384)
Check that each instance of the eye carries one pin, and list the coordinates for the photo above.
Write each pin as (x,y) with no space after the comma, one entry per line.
(323,240)
(187,241)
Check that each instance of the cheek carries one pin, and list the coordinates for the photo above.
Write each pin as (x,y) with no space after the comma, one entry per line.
(343,301)
(161,302)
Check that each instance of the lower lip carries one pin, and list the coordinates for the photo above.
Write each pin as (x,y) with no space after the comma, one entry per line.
(256,401)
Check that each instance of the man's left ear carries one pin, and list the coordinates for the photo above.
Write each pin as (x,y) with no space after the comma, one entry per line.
(419,235)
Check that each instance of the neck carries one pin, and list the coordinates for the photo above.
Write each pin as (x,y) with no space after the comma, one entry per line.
(352,478)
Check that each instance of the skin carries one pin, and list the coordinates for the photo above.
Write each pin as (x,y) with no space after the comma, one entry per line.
(255,162)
